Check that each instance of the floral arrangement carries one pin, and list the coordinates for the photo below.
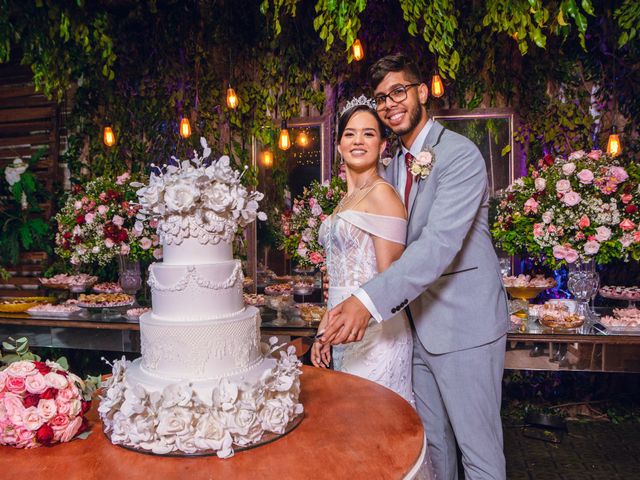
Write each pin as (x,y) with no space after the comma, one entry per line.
(100,221)
(41,403)
(300,225)
(572,210)
(198,198)
(422,165)
(176,419)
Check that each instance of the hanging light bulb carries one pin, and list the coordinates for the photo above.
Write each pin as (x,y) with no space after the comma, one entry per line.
(185,127)
(302,139)
(108,136)
(267,159)
(232,98)
(284,141)
(358,51)
(437,87)
(614,148)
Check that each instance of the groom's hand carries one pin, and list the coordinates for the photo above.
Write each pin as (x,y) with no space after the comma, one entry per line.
(347,322)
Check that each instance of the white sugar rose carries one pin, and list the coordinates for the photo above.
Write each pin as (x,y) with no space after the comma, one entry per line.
(274,416)
(181,197)
(225,394)
(176,394)
(176,421)
(218,198)
(211,435)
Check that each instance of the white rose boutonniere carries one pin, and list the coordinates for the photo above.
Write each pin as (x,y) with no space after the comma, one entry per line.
(422,165)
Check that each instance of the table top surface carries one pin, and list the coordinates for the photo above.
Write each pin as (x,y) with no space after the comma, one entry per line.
(352,428)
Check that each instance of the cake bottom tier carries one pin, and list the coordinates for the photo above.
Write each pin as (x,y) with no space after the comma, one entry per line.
(163,416)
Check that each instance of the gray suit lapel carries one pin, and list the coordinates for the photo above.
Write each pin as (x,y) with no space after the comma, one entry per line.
(433,138)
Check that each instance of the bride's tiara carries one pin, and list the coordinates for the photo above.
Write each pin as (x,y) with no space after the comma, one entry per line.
(358,101)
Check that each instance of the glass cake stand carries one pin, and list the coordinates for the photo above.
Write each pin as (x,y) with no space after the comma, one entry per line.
(279,303)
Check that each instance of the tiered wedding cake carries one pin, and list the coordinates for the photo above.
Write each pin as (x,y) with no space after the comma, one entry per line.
(202,384)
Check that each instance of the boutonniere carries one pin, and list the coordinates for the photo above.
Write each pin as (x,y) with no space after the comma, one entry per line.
(386,161)
(422,165)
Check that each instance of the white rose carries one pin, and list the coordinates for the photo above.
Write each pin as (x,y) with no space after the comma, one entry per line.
(603,234)
(211,434)
(31,419)
(218,198)
(181,197)
(21,369)
(540,184)
(591,247)
(424,158)
(568,168)
(225,394)
(176,421)
(47,408)
(274,416)
(176,394)
(56,380)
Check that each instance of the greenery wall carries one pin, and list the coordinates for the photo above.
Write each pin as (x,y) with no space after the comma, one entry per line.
(566,66)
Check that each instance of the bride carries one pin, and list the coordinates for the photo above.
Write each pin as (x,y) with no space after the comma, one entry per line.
(363,236)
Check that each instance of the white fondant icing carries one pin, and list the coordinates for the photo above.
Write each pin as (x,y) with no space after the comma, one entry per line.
(192,252)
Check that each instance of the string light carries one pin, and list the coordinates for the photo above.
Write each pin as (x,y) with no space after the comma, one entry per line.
(358,51)
(232,98)
(108,137)
(302,139)
(437,87)
(614,148)
(185,127)
(267,159)
(284,141)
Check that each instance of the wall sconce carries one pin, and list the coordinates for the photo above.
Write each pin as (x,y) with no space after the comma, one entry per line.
(437,87)
(108,137)
(614,148)
(267,159)
(185,127)
(358,51)
(302,139)
(284,141)
(232,98)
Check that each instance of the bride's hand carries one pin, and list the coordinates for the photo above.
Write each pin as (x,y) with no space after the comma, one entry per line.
(321,355)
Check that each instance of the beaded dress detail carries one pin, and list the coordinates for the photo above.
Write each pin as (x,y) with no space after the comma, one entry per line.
(384,354)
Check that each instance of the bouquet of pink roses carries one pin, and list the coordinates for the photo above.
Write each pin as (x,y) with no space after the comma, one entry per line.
(572,210)
(299,227)
(41,403)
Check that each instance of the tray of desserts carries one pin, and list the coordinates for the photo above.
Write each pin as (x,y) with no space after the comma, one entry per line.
(99,301)
(559,316)
(107,287)
(623,321)
(304,285)
(254,299)
(311,312)
(22,304)
(74,283)
(526,286)
(279,289)
(630,294)
(136,313)
(65,310)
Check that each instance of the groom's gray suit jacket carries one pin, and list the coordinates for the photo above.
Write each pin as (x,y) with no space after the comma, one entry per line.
(449,274)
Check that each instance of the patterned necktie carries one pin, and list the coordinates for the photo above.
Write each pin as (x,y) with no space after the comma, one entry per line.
(408,158)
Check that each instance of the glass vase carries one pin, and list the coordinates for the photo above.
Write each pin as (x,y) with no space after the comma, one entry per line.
(583,282)
(129,275)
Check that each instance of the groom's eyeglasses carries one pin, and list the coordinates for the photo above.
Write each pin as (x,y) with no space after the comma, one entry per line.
(398,95)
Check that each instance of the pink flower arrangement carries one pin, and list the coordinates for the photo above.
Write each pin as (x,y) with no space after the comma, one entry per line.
(100,221)
(299,226)
(40,404)
(572,210)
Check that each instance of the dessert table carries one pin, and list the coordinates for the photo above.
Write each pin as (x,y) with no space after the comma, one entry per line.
(353,428)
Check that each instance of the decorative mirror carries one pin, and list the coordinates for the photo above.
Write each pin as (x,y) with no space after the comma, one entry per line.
(308,159)
(492,131)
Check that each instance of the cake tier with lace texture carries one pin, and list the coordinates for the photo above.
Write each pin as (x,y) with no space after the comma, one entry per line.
(183,348)
(196,291)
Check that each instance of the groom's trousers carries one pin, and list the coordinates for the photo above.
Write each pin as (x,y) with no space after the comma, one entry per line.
(458,397)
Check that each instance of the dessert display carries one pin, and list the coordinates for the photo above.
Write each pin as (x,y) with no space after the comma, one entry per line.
(537,281)
(279,289)
(75,283)
(247,282)
(304,285)
(203,384)
(49,310)
(22,304)
(620,293)
(283,278)
(135,313)
(105,300)
(311,312)
(254,299)
(558,316)
(107,287)
(623,319)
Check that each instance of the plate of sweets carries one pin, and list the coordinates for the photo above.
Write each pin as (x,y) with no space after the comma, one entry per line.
(526,286)
(311,312)
(629,294)
(247,282)
(624,320)
(279,289)
(107,287)
(254,299)
(559,316)
(105,300)
(22,304)
(54,311)
(74,283)
(304,285)
(136,313)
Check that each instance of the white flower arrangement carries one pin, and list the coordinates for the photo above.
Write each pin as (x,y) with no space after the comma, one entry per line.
(422,165)
(197,198)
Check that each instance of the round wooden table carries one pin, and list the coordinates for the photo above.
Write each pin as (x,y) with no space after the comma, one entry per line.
(353,428)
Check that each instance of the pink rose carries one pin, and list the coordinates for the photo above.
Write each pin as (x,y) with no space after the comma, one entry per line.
(626,198)
(627,225)
(551,229)
(571,198)
(568,168)
(530,206)
(603,234)
(538,230)
(312,202)
(3,379)
(35,383)
(47,408)
(626,240)
(316,258)
(64,407)
(579,236)
(559,251)
(124,249)
(89,218)
(121,179)
(31,419)
(540,183)
(118,220)
(68,394)
(21,369)
(576,155)
(157,253)
(103,209)
(563,186)
(585,176)
(570,255)
(155,240)
(619,173)
(25,438)
(59,422)
(77,205)
(584,222)
(547,217)
(71,429)
(153,223)
(16,385)
(145,243)
(594,154)
(591,247)
(13,407)
(108,243)
(636,236)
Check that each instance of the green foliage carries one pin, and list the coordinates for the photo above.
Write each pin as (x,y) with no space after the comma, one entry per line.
(628,18)
(16,350)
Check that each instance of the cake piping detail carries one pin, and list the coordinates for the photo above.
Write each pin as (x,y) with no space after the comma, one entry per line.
(192,277)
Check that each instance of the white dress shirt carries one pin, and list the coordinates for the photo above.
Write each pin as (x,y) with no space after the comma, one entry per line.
(401,180)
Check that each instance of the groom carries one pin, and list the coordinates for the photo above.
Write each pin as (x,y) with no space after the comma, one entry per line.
(448,280)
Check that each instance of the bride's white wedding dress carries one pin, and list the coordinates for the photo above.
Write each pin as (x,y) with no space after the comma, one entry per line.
(384,354)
